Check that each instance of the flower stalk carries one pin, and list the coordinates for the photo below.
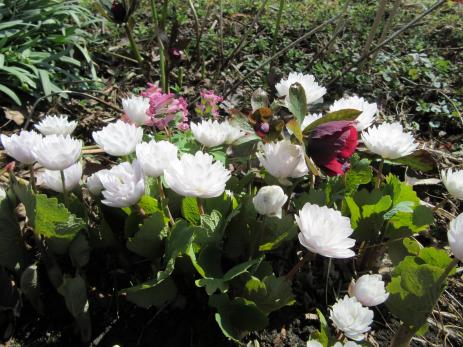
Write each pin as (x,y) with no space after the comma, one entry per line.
(380,174)
(32,181)
(65,192)
(133,44)
(200,206)
(163,200)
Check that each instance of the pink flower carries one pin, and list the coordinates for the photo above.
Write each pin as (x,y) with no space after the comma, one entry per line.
(209,104)
(164,108)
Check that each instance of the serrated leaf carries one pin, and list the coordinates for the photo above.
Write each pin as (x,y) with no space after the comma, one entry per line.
(152,293)
(47,216)
(12,249)
(190,210)
(147,241)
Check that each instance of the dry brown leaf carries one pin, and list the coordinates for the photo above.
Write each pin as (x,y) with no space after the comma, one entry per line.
(15,115)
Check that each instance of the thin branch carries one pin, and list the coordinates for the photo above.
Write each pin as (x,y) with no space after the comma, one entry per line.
(279,53)
(374,28)
(36,103)
(246,35)
(385,42)
(197,30)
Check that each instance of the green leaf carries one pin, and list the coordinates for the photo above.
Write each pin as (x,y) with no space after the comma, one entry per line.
(4,89)
(30,287)
(210,232)
(79,251)
(237,317)
(417,282)
(214,284)
(347,114)
(419,160)
(74,291)
(147,241)
(360,172)
(270,294)
(297,103)
(48,217)
(399,249)
(149,205)
(277,230)
(190,210)
(295,128)
(323,336)
(152,293)
(12,249)
(314,196)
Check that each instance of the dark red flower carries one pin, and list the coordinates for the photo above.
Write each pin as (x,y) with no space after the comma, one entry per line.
(331,144)
(119,11)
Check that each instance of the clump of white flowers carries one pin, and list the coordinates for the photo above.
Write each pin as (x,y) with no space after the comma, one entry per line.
(455,236)
(313,91)
(154,156)
(136,108)
(57,152)
(51,179)
(369,290)
(453,181)
(197,175)
(325,231)
(389,141)
(56,125)
(119,138)
(366,118)
(269,201)
(211,133)
(283,159)
(20,147)
(123,185)
(2,194)
(349,316)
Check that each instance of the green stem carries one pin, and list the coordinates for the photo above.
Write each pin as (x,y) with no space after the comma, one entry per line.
(154,14)
(163,66)
(380,174)
(277,26)
(165,7)
(133,44)
(65,193)
(32,180)
(200,206)
(164,204)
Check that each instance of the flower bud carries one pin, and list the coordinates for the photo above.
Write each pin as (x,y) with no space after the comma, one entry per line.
(349,316)
(455,236)
(369,290)
(269,201)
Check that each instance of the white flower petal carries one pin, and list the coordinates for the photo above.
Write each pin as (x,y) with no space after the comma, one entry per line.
(119,138)
(389,141)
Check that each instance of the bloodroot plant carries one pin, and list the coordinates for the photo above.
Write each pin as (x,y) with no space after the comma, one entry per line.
(227,195)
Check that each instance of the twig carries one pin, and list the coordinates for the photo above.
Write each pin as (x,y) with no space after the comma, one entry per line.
(276,55)
(382,44)
(197,30)
(340,25)
(36,103)
(277,25)
(378,17)
(245,36)
(387,26)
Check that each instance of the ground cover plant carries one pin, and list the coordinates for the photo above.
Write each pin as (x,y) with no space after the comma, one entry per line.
(284,212)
